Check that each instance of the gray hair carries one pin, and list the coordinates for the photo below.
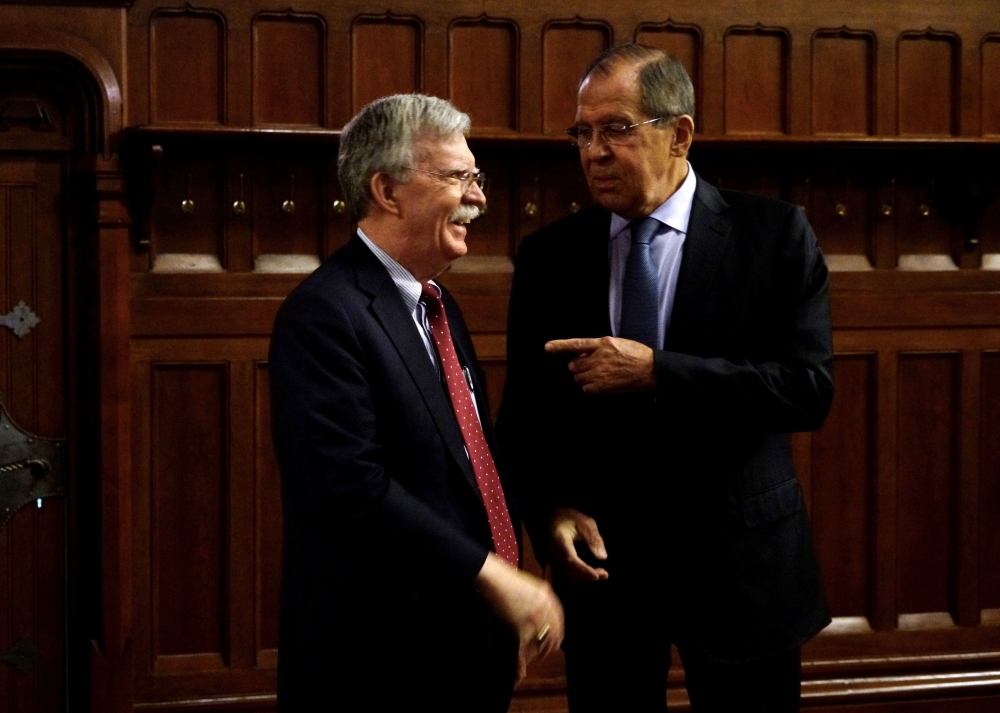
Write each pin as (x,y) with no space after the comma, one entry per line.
(381,138)
(664,84)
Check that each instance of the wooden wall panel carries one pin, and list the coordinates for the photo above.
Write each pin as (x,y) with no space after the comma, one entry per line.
(990,86)
(375,70)
(927,90)
(756,81)
(187,60)
(989,482)
(843,82)
(288,69)
(567,49)
(682,41)
(491,234)
(188,516)
(268,530)
(842,487)
(33,388)
(488,94)
(197,227)
(280,228)
(926,480)
(838,207)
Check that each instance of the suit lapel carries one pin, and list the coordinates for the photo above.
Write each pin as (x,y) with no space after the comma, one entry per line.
(388,308)
(594,277)
(707,239)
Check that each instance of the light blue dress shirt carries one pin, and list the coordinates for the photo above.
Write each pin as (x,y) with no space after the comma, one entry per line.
(665,248)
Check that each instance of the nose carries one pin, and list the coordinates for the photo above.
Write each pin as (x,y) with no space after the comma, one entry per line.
(475,195)
(598,147)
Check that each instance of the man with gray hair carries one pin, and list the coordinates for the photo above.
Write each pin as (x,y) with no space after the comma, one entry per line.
(662,345)
(400,582)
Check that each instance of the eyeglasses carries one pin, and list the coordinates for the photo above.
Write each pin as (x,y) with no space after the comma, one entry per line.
(466,178)
(613,134)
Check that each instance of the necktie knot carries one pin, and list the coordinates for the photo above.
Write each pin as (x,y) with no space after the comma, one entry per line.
(643,229)
(430,296)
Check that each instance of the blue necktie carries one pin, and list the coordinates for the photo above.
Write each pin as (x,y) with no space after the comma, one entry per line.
(640,309)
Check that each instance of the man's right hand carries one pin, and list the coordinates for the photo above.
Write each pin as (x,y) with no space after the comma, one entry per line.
(527,604)
(567,527)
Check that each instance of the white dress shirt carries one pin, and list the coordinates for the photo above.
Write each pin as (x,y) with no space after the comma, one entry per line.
(410,289)
(665,248)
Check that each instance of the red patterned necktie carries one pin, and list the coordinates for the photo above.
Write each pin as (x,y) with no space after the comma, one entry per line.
(472,431)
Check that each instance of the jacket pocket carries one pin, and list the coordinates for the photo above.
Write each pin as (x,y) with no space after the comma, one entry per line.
(772,504)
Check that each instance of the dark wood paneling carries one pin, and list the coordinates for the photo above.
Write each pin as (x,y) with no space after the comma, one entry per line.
(288,69)
(280,177)
(838,208)
(756,81)
(927,93)
(990,87)
(488,94)
(188,529)
(196,176)
(927,463)
(843,79)
(491,234)
(842,487)
(375,72)
(567,49)
(682,41)
(33,388)
(187,67)
(268,530)
(989,482)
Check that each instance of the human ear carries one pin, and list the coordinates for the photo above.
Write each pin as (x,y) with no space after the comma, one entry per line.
(383,190)
(683,135)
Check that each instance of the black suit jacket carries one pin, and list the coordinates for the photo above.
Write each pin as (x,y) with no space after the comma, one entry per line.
(385,529)
(696,478)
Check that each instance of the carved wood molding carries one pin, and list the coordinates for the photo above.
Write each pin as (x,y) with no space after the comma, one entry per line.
(56,43)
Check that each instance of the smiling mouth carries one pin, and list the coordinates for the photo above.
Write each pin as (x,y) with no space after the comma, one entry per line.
(465,214)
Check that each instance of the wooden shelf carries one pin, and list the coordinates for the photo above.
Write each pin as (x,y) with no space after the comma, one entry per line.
(150,134)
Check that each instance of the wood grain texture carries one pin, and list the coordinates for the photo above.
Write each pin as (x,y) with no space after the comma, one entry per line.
(990,88)
(567,48)
(842,486)
(927,91)
(843,82)
(756,81)
(187,60)
(288,69)
(386,58)
(491,47)
(188,526)
(989,483)
(928,460)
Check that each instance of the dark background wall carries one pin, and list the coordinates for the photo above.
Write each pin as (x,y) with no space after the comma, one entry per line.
(198,185)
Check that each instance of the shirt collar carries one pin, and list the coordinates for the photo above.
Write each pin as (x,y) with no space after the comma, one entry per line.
(675,212)
(409,287)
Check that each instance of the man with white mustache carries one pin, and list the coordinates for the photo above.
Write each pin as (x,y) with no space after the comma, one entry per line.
(400,584)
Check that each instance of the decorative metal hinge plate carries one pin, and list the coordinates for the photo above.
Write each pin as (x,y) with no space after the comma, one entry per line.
(30,467)
(21,320)
(21,655)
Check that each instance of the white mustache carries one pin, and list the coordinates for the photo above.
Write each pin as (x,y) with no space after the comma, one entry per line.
(465,214)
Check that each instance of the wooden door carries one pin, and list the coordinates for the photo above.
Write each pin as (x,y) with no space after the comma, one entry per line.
(33,382)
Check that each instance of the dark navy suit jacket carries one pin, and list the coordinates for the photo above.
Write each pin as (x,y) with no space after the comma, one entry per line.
(385,529)
(692,486)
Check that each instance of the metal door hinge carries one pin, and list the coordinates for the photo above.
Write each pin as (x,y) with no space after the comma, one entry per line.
(21,655)
(30,467)
(21,320)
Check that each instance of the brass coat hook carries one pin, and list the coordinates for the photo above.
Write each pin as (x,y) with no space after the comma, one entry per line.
(289,205)
(187,205)
(239,207)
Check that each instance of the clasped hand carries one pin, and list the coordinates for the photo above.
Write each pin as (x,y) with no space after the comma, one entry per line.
(608,365)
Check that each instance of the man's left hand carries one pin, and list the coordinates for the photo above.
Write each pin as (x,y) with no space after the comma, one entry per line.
(608,365)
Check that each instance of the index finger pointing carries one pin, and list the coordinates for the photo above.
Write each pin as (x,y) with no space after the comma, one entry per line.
(578,345)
